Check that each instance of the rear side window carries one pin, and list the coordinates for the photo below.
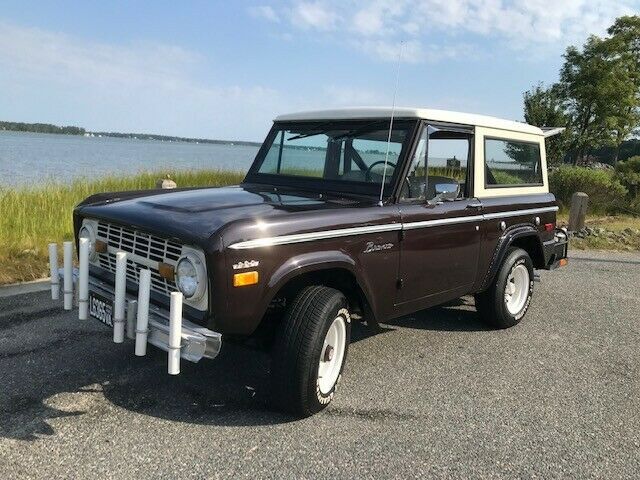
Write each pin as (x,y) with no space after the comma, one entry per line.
(511,163)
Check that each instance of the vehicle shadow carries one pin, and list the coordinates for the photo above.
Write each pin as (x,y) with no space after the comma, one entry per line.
(458,315)
(74,373)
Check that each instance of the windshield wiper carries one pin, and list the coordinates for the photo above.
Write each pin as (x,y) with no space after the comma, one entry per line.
(317,131)
(348,134)
(356,131)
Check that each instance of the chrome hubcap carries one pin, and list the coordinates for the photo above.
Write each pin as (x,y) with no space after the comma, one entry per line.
(517,289)
(332,354)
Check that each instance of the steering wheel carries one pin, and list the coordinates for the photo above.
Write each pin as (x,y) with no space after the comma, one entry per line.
(367,174)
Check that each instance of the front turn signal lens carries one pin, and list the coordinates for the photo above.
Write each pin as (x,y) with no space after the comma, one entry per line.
(563,262)
(101,247)
(245,278)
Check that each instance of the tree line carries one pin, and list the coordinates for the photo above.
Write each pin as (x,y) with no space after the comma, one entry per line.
(41,128)
(597,98)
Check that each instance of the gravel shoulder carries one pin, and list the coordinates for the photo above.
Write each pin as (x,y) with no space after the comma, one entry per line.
(434,394)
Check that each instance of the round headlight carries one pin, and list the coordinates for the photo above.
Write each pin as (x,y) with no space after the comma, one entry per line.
(187,277)
(86,231)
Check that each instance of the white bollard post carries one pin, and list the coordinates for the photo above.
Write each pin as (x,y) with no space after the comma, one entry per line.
(120,293)
(53,267)
(83,280)
(142,323)
(132,307)
(67,248)
(175,332)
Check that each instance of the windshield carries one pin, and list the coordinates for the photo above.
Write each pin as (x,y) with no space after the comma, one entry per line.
(341,155)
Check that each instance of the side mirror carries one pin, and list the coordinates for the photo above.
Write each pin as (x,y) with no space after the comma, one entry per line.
(447,191)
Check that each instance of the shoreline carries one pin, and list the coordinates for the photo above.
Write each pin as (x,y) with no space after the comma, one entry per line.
(33,216)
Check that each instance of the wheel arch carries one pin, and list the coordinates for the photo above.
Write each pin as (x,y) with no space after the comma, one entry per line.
(521,236)
(330,268)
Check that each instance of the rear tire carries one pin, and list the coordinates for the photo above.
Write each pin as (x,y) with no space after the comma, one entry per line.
(310,351)
(507,300)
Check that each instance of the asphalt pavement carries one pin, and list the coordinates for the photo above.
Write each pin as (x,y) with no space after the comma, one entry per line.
(435,394)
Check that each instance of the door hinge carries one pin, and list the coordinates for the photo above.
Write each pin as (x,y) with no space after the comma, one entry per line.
(401,235)
(399,283)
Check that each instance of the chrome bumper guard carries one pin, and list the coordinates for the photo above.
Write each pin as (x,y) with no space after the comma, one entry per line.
(145,322)
(196,341)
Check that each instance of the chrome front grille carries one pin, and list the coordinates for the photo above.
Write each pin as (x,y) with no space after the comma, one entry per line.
(139,243)
(145,251)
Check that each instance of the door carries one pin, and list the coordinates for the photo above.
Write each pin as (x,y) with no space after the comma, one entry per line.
(441,223)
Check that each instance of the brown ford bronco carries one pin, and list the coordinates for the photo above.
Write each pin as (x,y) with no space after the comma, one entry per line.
(346,215)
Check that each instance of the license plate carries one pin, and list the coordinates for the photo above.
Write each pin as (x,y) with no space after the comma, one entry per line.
(101,308)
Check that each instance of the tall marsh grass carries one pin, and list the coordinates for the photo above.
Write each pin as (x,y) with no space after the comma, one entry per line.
(31,217)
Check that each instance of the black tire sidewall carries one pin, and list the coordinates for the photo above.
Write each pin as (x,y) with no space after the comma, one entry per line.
(515,257)
(322,399)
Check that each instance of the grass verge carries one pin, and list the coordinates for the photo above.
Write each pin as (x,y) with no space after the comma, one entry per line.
(606,232)
(32,217)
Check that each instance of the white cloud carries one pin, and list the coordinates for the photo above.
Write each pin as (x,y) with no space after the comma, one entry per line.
(264,11)
(533,26)
(314,15)
(129,87)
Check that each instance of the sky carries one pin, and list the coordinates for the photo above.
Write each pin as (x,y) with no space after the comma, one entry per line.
(225,69)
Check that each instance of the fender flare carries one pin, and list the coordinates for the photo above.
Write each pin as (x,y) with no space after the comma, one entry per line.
(317,262)
(506,240)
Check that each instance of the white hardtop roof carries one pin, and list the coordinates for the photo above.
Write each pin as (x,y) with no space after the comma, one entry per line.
(444,116)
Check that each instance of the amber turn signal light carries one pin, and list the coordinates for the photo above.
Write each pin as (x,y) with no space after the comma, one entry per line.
(101,247)
(166,271)
(245,278)
(563,262)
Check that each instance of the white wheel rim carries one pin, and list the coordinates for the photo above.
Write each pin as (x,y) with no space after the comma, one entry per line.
(517,289)
(331,355)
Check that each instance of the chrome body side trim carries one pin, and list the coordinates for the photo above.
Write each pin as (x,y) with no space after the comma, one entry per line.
(441,221)
(516,213)
(391,227)
(308,237)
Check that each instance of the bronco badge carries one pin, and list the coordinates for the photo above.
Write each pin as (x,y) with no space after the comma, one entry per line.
(372,247)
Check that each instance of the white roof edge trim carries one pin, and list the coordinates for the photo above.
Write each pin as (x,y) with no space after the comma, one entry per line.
(551,131)
(445,116)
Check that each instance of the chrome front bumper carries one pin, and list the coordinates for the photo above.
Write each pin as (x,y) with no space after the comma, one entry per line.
(196,341)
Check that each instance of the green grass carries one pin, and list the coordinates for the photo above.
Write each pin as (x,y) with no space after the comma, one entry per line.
(31,217)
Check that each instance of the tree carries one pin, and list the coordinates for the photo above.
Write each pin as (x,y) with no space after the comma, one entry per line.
(628,172)
(624,50)
(544,107)
(588,87)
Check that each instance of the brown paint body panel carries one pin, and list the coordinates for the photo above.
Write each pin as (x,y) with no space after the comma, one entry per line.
(435,263)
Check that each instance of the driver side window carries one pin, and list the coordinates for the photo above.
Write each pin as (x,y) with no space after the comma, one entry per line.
(438,170)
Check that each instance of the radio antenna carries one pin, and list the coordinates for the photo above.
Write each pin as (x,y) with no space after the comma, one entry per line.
(393,111)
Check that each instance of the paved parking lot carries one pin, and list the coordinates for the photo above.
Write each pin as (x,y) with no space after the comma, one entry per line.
(435,394)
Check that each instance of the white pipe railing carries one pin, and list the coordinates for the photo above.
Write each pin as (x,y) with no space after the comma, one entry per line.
(53,268)
(132,307)
(142,322)
(68,275)
(119,300)
(175,333)
(130,317)
(83,280)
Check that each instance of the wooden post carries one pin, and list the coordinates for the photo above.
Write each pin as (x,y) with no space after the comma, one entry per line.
(578,211)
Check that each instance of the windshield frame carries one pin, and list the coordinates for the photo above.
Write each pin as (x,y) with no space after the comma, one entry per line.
(328,185)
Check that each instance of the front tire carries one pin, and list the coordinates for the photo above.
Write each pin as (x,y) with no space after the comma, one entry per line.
(506,302)
(310,351)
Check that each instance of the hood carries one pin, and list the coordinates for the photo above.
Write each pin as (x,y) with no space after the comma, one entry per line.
(197,214)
